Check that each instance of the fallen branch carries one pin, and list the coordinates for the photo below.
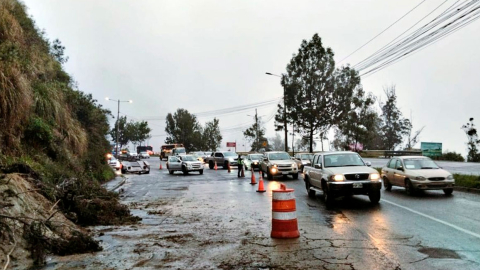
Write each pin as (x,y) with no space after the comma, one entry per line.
(30,190)
(54,206)
(10,253)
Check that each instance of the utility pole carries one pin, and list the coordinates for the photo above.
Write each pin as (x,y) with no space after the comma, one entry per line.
(118,121)
(256,129)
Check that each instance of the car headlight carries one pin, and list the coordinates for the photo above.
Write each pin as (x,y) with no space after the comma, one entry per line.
(294,165)
(230,159)
(421,178)
(274,169)
(255,163)
(274,165)
(338,177)
(450,177)
(374,176)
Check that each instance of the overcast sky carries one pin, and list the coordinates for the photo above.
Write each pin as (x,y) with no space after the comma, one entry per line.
(209,55)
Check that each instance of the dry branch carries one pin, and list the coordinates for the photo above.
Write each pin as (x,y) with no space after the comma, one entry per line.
(10,253)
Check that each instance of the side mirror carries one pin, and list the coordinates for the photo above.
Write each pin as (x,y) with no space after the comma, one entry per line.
(400,168)
(318,166)
(369,164)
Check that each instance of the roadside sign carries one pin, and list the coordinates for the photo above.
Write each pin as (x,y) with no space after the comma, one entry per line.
(264,144)
(231,144)
(431,149)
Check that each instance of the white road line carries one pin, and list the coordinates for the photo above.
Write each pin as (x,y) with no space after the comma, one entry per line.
(434,219)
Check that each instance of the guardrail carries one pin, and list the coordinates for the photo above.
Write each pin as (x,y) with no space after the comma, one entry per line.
(389,154)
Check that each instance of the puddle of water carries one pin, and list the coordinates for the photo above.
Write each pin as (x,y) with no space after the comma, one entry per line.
(440,253)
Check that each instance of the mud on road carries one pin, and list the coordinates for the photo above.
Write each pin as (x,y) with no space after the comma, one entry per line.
(217,221)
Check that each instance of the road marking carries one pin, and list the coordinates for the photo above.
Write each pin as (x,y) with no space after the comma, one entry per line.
(434,219)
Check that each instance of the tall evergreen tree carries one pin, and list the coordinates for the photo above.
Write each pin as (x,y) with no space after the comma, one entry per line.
(394,126)
(211,136)
(317,96)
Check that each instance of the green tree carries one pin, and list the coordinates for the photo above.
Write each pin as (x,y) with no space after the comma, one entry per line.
(123,132)
(211,136)
(394,126)
(317,96)
(137,132)
(359,124)
(183,127)
(473,154)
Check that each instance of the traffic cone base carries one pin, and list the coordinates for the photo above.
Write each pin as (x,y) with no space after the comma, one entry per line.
(260,186)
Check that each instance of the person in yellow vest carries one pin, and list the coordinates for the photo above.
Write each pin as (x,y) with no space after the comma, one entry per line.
(239,165)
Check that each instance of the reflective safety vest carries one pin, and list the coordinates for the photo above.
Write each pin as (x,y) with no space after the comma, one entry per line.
(240,161)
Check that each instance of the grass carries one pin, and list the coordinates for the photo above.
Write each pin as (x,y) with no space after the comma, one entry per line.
(461,180)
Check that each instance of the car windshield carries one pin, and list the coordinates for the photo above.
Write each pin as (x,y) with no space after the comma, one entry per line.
(279,156)
(256,157)
(230,154)
(143,153)
(188,158)
(306,156)
(419,164)
(343,160)
(180,150)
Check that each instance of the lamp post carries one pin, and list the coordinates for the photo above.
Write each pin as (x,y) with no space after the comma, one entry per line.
(117,122)
(284,112)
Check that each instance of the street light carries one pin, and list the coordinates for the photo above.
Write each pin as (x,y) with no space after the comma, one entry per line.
(117,122)
(284,112)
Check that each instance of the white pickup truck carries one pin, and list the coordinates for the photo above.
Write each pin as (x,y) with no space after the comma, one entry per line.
(341,173)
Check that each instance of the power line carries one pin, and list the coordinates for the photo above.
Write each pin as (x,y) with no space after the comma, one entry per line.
(382,31)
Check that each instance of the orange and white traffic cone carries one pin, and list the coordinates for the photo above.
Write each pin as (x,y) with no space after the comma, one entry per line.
(253,182)
(260,175)
(160,166)
(260,186)
(284,216)
(215,165)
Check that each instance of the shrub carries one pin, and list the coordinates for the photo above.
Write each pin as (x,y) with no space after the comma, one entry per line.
(451,156)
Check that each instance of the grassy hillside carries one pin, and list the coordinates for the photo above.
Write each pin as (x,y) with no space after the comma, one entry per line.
(50,132)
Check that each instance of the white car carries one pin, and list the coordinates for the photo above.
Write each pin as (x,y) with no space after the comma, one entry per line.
(135,167)
(186,164)
(278,163)
(114,163)
(143,155)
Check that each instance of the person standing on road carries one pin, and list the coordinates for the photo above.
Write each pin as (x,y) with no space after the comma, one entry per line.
(239,165)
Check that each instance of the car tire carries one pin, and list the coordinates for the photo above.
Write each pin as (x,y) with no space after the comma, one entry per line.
(386,184)
(448,191)
(328,197)
(210,165)
(225,165)
(311,192)
(295,176)
(170,171)
(269,175)
(184,170)
(201,171)
(374,196)
(409,189)
(148,172)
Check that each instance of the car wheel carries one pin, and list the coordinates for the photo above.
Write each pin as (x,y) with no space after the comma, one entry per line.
(448,191)
(170,171)
(328,197)
(269,175)
(311,192)
(124,171)
(184,170)
(386,184)
(409,189)
(374,196)
(225,165)
(295,176)
(210,165)
(201,171)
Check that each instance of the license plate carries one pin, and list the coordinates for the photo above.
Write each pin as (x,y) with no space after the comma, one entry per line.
(357,185)
(284,172)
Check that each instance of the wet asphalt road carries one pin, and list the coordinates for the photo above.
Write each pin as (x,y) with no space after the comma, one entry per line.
(218,221)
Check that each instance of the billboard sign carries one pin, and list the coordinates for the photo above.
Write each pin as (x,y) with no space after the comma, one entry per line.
(231,144)
(431,149)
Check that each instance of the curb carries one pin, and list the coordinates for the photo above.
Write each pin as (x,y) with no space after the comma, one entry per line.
(119,184)
(465,189)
